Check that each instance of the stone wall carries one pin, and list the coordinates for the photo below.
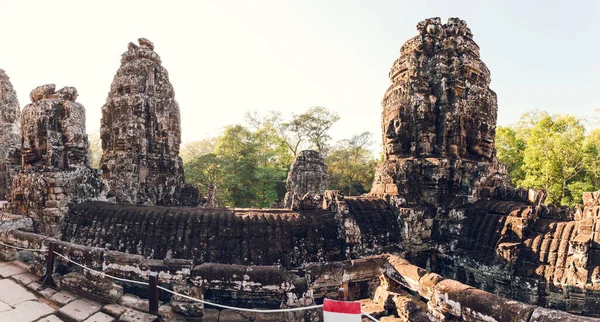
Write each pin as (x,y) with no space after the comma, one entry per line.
(271,286)
(140,132)
(355,227)
(396,288)
(538,254)
(10,143)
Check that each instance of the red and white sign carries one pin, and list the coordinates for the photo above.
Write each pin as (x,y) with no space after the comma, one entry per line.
(338,311)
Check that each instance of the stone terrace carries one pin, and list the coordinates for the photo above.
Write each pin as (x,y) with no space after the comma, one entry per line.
(21,301)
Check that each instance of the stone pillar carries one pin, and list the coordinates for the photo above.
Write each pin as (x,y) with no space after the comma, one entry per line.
(10,143)
(308,175)
(140,132)
(55,160)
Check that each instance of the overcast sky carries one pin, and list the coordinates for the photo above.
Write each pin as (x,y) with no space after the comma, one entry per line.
(228,57)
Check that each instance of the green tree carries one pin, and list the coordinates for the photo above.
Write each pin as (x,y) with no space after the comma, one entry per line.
(273,162)
(308,130)
(208,169)
(510,149)
(351,165)
(556,157)
(237,151)
(592,145)
(195,149)
(552,153)
(314,125)
(248,166)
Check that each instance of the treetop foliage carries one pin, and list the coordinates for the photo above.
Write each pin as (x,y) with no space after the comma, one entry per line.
(249,163)
(553,153)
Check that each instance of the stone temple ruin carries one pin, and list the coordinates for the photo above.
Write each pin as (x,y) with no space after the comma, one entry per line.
(10,145)
(55,166)
(141,132)
(307,180)
(442,236)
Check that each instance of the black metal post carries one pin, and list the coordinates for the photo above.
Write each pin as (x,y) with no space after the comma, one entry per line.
(153,295)
(47,280)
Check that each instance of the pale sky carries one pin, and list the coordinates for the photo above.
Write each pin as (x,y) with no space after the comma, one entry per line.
(228,57)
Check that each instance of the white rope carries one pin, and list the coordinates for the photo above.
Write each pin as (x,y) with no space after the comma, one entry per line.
(21,248)
(312,307)
(191,298)
(101,273)
(370,317)
(243,309)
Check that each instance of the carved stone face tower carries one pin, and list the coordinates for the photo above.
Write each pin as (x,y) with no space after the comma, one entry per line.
(308,174)
(53,130)
(439,119)
(10,145)
(55,161)
(140,131)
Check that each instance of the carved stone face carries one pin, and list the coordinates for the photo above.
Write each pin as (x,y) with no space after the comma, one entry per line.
(393,129)
(33,144)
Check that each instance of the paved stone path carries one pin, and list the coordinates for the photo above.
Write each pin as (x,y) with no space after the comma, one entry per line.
(21,301)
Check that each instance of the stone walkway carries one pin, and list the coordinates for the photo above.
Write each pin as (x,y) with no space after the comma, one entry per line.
(20,301)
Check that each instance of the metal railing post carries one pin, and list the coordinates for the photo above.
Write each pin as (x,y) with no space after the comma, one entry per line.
(153,295)
(47,280)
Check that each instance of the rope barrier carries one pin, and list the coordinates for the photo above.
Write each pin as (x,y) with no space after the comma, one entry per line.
(21,248)
(242,309)
(369,316)
(312,307)
(101,273)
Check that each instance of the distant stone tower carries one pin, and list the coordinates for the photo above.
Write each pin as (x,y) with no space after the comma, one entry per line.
(308,174)
(56,168)
(141,133)
(10,143)
(439,120)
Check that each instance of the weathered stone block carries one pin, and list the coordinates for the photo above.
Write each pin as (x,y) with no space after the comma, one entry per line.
(124,265)
(114,310)
(403,273)
(88,285)
(184,305)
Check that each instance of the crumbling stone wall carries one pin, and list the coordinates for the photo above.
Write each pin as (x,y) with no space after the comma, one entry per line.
(141,132)
(390,288)
(308,175)
(451,300)
(55,160)
(359,227)
(535,253)
(10,144)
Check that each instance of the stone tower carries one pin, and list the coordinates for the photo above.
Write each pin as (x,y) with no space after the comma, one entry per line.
(10,144)
(140,132)
(308,174)
(55,161)
(439,120)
